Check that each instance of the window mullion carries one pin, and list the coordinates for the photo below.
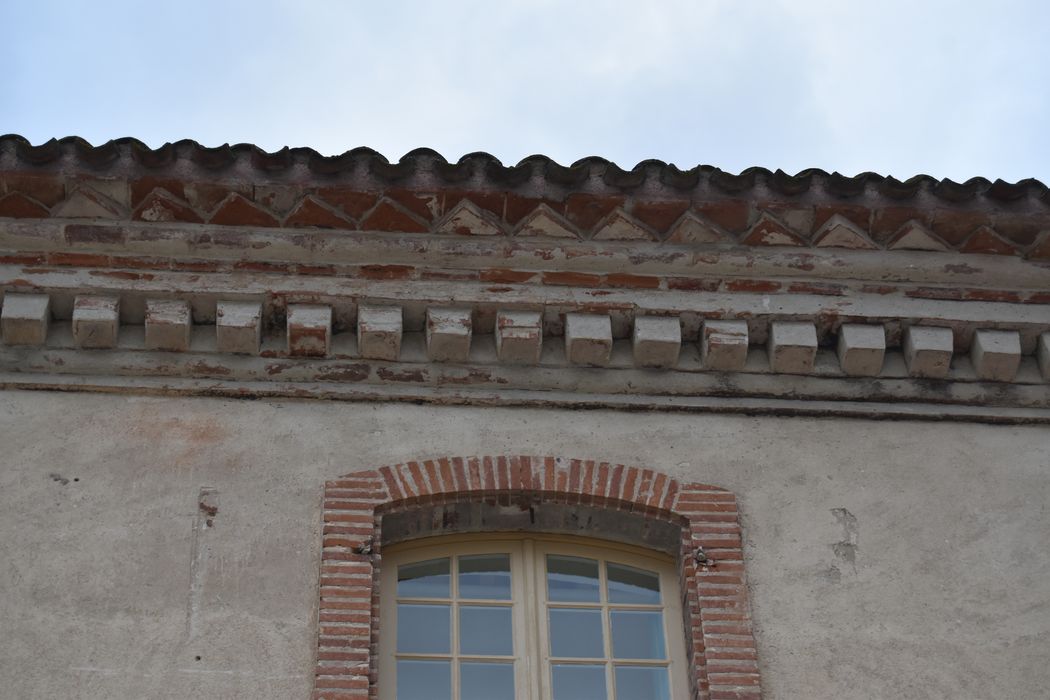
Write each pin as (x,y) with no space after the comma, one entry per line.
(535,616)
(603,596)
(454,602)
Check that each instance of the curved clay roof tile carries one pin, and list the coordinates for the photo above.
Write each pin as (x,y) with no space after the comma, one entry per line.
(491,171)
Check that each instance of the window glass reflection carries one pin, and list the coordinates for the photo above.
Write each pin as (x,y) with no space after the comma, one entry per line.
(633,586)
(485,577)
(485,631)
(424,680)
(637,634)
(423,629)
(642,683)
(424,579)
(576,633)
(572,682)
(572,580)
(479,681)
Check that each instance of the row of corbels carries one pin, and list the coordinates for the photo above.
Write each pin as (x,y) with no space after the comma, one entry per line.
(656,340)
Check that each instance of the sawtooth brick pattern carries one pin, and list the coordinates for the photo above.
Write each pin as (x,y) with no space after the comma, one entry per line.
(720,644)
(594,203)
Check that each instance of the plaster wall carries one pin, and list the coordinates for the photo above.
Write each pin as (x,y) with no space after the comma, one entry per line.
(886,559)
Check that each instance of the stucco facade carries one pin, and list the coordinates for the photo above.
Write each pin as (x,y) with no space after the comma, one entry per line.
(196,341)
(113,590)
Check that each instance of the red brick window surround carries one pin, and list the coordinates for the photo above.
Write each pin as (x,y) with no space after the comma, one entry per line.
(697,523)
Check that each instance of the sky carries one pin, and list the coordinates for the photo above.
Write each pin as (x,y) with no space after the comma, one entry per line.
(951,89)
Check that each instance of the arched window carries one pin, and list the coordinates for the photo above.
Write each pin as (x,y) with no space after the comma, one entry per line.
(508,617)
(536,578)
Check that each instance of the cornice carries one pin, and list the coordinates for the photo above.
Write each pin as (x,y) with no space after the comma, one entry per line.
(443,360)
(124,272)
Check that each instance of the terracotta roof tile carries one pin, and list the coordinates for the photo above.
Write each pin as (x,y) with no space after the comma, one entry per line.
(488,168)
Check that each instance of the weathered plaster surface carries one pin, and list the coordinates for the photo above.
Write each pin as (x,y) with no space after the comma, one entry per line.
(886,559)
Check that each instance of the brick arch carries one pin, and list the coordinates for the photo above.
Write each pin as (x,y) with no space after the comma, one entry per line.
(720,644)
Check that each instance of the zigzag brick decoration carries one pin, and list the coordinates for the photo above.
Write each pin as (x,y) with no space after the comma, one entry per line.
(590,200)
(720,643)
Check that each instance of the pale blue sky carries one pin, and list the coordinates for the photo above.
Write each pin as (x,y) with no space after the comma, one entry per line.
(953,89)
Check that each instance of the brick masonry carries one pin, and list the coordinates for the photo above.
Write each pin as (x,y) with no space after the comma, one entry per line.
(593,200)
(720,644)
(116,250)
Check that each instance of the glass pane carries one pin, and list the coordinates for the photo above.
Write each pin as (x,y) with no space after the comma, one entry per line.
(633,586)
(637,634)
(424,579)
(485,576)
(424,680)
(423,629)
(486,681)
(641,683)
(485,631)
(577,682)
(572,580)
(576,633)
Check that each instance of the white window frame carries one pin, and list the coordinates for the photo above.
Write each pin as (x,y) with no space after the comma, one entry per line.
(529,591)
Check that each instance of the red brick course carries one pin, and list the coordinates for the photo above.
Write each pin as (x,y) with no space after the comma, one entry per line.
(720,645)
(81,234)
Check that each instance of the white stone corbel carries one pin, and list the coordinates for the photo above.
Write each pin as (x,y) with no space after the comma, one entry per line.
(996,355)
(723,345)
(25,318)
(519,336)
(861,349)
(588,339)
(448,334)
(792,346)
(309,330)
(96,321)
(657,341)
(169,324)
(928,351)
(238,327)
(1042,354)
(379,330)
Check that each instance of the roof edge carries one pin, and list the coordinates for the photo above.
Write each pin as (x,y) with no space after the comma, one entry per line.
(484,168)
